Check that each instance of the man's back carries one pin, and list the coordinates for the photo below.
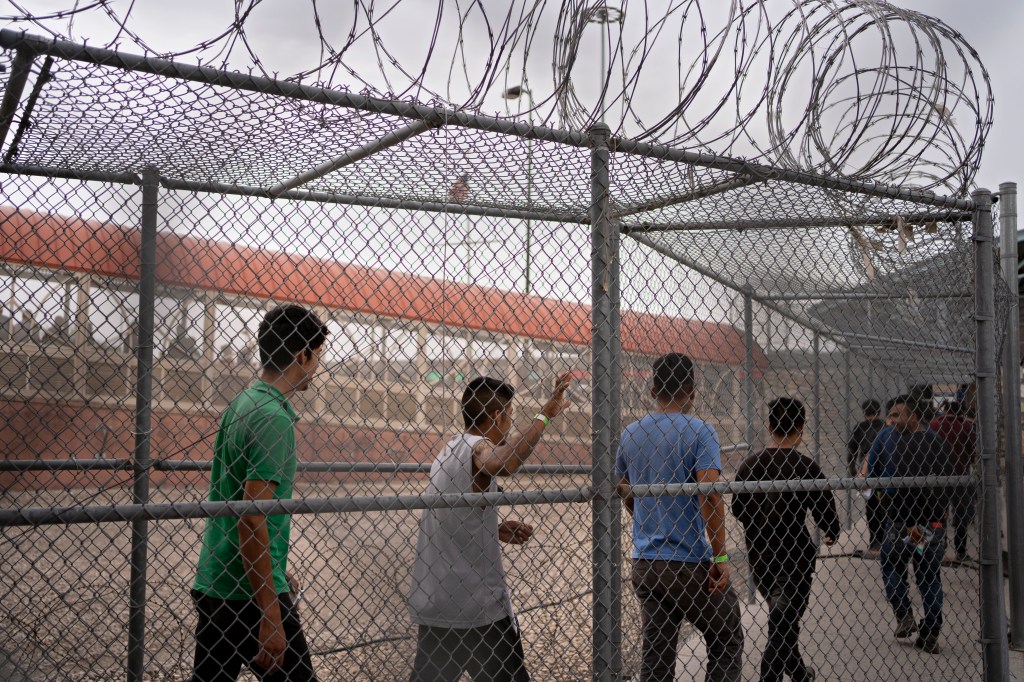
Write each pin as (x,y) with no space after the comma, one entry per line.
(959,435)
(776,521)
(668,448)
(859,445)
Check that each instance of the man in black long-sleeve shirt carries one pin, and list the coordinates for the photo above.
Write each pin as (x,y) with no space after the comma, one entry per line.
(857,449)
(782,554)
(915,518)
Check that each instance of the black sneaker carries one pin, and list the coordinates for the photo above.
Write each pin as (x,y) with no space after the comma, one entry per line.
(927,643)
(905,625)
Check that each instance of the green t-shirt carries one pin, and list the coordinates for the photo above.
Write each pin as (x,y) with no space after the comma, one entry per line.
(255,442)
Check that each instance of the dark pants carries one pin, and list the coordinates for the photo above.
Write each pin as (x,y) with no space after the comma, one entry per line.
(227,637)
(961,517)
(875,511)
(787,594)
(671,592)
(895,556)
(492,653)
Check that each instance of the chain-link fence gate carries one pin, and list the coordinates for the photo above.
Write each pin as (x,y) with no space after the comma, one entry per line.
(140,252)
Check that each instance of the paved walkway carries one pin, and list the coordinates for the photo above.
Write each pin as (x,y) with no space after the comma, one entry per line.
(847,631)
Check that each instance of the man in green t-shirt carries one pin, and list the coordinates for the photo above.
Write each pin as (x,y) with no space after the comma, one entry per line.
(246,616)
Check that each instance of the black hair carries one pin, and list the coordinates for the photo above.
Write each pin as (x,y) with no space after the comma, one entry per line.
(286,331)
(871,406)
(786,416)
(484,396)
(913,403)
(673,376)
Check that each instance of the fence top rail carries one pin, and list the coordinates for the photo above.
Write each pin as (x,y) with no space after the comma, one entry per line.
(441,116)
(121,513)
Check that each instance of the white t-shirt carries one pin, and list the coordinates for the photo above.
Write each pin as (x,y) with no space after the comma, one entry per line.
(458,579)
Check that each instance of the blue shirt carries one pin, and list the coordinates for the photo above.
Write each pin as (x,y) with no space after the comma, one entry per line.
(668,448)
(881,462)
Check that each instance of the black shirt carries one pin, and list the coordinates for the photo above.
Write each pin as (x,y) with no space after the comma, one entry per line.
(775,524)
(859,445)
(919,453)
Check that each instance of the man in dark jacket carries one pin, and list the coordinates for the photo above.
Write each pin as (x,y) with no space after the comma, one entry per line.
(857,449)
(782,554)
(915,518)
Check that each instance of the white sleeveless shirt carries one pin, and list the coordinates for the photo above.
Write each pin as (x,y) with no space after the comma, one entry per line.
(458,580)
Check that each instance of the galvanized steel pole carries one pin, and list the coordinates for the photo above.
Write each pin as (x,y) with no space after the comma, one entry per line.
(816,393)
(604,266)
(993,614)
(1011,413)
(748,401)
(141,460)
(847,380)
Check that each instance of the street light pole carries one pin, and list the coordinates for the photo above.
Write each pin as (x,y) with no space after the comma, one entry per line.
(514,93)
(602,16)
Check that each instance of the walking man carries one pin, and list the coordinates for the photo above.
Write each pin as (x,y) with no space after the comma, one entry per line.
(857,449)
(956,426)
(459,597)
(915,518)
(246,616)
(680,564)
(782,553)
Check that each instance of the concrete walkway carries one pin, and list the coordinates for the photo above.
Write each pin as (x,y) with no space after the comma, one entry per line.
(847,630)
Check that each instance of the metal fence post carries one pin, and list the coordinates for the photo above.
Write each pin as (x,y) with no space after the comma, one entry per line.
(604,264)
(143,418)
(615,502)
(1011,414)
(748,401)
(816,396)
(993,614)
(847,381)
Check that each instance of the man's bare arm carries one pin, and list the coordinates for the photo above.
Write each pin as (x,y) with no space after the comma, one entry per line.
(627,497)
(712,508)
(505,460)
(254,546)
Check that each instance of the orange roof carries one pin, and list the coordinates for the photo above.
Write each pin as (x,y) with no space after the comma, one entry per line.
(68,243)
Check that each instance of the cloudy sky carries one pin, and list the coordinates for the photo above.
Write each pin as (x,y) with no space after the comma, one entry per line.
(996,30)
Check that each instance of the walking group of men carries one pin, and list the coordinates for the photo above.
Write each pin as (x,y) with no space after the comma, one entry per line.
(907,526)
(459,598)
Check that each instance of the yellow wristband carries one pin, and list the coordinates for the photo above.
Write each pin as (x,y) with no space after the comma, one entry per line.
(543,417)
(721,559)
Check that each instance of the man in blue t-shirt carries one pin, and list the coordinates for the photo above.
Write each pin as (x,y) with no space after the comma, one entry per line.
(680,566)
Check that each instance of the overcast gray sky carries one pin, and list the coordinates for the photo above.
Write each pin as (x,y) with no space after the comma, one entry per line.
(996,30)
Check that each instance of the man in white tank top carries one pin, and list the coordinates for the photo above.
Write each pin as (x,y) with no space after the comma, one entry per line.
(459,598)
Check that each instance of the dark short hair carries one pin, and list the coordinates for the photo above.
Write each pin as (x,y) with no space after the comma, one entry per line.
(786,416)
(482,397)
(913,403)
(871,406)
(673,376)
(286,331)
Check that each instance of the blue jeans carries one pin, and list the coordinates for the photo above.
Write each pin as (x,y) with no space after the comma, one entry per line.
(895,556)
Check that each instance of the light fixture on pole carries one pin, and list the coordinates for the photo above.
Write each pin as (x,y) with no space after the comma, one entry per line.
(604,15)
(514,93)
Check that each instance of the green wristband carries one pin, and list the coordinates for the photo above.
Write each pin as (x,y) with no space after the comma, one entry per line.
(721,559)
(543,417)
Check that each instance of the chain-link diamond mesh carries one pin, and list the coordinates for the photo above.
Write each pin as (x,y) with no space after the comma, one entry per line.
(150,224)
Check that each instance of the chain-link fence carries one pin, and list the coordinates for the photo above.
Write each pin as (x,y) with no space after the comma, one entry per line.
(153,213)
